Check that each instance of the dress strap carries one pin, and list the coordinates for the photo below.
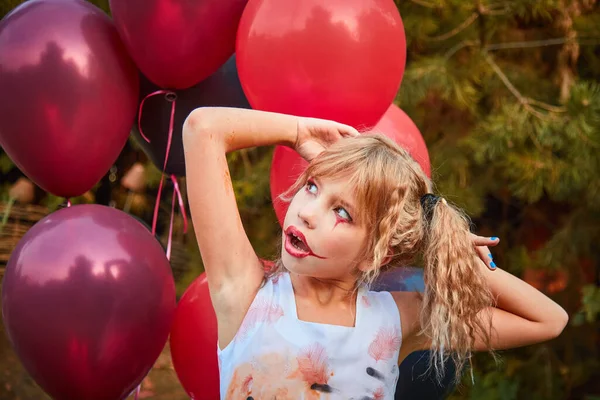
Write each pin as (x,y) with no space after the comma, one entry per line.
(285,294)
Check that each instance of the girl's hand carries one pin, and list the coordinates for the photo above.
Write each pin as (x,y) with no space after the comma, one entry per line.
(482,245)
(315,135)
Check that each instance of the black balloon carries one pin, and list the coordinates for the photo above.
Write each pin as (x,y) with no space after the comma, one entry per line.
(222,89)
(415,382)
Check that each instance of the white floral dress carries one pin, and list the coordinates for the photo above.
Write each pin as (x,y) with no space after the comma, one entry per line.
(277,356)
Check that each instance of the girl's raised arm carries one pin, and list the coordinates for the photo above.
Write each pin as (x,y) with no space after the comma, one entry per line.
(233,269)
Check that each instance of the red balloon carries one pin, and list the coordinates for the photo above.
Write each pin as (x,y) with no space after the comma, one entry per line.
(194,342)
(88,299)
(287,165)
(336,59)
(398,126)
(178,43)
(70,93)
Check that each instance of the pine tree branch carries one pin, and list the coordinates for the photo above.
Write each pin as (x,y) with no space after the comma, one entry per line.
(464,25)
(546,106)
(422,71)
(515,45)
(527,44)
(246,161)
(500,8)
(505,80)
(587,140)
(503,4)
(497,12)
(425,4)
(459,46)
(525,101)
(492,9)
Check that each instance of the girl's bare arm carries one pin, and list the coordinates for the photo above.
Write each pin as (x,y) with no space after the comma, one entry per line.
(233,269)
(522,316)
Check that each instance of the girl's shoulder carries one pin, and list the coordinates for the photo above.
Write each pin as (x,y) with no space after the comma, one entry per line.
(409,306)
(408,303)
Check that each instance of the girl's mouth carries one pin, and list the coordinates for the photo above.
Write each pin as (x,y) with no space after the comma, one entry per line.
(296,245)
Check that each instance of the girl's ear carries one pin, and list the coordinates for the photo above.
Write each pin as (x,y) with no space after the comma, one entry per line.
(386,260)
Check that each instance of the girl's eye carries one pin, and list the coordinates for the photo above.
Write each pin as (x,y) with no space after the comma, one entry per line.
(311,187)
(343,213)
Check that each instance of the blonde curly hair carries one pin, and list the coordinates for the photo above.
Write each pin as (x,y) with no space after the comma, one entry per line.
(388,187)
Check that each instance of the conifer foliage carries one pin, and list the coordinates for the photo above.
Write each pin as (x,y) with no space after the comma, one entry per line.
(507,96)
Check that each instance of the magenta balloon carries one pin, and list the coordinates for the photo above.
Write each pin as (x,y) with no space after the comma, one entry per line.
(88,299)
(178,43)
(69,93)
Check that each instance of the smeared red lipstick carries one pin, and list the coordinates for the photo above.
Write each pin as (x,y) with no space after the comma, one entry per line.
(296,244)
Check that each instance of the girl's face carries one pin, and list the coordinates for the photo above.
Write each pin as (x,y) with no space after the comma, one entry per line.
(322,235)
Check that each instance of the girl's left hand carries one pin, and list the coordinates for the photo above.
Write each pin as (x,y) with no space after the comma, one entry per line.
(315,135)
(482,245)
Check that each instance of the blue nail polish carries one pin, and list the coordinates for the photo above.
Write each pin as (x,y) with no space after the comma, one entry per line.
(493,265)
(493,238)
(490,256)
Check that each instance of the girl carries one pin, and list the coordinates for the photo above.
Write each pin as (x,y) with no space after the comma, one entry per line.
(311,329)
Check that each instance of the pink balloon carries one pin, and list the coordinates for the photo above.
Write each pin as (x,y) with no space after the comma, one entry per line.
(69,92)
(335,59)
(178,43)
(287,165)
(87,299)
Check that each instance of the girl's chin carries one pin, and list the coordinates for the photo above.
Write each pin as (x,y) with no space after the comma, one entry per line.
(300,266)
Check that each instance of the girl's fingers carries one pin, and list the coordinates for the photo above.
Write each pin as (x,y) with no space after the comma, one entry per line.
(484,241)
(347,130)
(486,256)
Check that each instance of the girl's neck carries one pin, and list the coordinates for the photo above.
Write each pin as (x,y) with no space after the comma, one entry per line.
(324,292)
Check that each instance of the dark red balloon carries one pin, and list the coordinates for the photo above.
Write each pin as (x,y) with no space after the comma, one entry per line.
(221,89)
(69,92)
(178,43)
(88,300)
(287,165)
(194,342)
(336,59)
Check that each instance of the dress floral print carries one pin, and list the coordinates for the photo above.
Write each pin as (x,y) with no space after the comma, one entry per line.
(261,311)
(277,356)
(385,344)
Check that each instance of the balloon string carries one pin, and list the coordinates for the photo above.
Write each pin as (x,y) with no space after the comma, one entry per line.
(171,97)
(181,205)
(173,100)
(167,92)
(176,194)
(170,240)
(157,205)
